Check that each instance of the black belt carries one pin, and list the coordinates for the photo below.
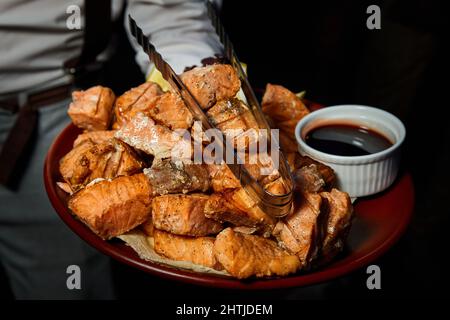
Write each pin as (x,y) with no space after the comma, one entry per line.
(19,137)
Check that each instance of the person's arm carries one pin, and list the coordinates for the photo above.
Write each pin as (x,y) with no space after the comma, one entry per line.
(180,30)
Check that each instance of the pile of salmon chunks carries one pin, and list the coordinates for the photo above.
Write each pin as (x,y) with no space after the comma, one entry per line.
(122,174)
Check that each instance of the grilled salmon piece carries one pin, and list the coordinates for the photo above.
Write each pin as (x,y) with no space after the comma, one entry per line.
(225,111)
(340,214)
(261,167)
(169,110)
(302,231)
(183,214)
(212,83)
(112,207)
(169,176)
(326,172)
(238,208)
(236,121)
(91,165)
(124,161)
(68,165)
(198,250)
(283,107)
(144,134)
(166,108)
(263,170)
(222,179)
(134,101)
(318,169)
(89,161)
(96,137)
(92,109)
(219,208)
(243,255)
(309,179)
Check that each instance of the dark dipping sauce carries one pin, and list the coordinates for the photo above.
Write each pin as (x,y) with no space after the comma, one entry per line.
(346,140)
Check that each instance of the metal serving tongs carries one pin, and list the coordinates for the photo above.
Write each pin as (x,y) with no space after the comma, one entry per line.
(274,205)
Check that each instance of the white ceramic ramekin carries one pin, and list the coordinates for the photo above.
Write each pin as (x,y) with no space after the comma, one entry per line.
(358,175)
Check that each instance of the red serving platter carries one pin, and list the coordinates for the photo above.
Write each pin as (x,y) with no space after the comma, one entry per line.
(379,222)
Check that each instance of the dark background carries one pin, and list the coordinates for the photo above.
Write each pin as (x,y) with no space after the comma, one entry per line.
(325,48)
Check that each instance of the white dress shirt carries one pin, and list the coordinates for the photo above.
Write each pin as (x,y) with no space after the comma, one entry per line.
(35,41)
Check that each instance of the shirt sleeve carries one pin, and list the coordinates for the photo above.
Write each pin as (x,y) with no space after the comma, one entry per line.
(180,30)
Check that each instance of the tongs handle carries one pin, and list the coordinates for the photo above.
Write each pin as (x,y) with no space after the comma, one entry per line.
(274,205)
